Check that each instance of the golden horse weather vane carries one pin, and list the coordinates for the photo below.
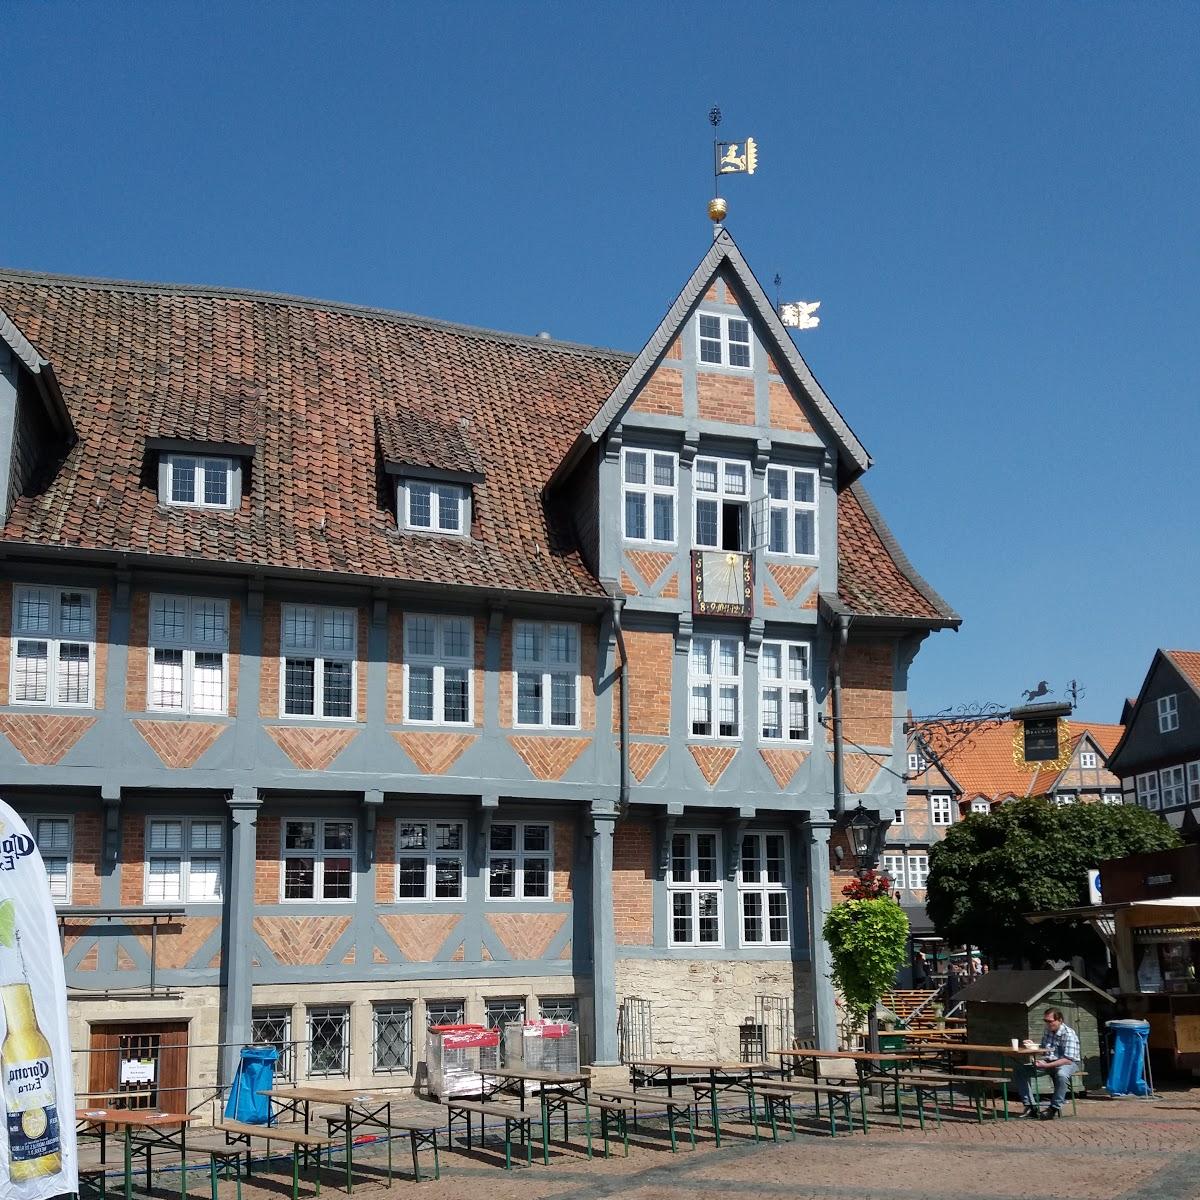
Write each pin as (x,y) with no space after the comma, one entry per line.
(729,158)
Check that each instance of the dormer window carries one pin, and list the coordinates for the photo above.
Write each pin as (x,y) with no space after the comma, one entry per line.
(198,481)
(433,506)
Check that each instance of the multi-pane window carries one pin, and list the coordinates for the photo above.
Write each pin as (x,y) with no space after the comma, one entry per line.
(981,806)
(917,764)
(939,810)
(430,857)
(561,1009)
(1063,799)
(438,656)
(184,857)
(715,687)
(391,1039)
(1147,790)
(1193,777)
(318,859)
(1168,713)
(694,887)
(724,341)
(519,857)
(785,692)
(53,837)
(898,819)
(762,887)
(546,666)
(892,865)
(189,637)
(273,1027)
(445,1012)
(329,1040)
(721,495)
(436,507)
(499,1013)
(55,634)
(1111,798)
(792,511)
(318,661)
(1173,788)
(1087,760)
(918,870)
(648,490)
(199,481)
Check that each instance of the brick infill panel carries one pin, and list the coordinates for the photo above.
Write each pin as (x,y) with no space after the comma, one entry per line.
(5,638)
(564,860)
(650,564)
(180,941)
(132,859)
(662,393)
(784,764)
(300,941)
(643,757)
(418,936)
(649,667)
(43,739)
(633,883)
(859,771)
(713,761)
(549,758)
(311,749)
(526,936)
(137,660)
(88,845)
(725,398)
(179,743)
(434,753)
(267,850)
(790,578)
(784,409)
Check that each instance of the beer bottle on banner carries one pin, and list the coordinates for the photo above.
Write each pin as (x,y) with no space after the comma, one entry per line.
(27,1063)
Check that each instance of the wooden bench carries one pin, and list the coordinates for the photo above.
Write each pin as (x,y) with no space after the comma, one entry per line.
(290,1135)
(928,1083)
(420,1129)
(680,1099)
(778,1099)
(618,1109)
(512,1117)
(91,1170)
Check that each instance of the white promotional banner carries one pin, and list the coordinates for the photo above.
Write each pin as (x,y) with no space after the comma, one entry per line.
(37,1096)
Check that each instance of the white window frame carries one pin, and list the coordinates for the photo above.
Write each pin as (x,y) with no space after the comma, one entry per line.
(188,646)
(1193,782)
(941,805)
(1112,799)
(982,807)
(650,491)
(319,854)
(1147,791)
(1063,799)
(917,764)
(791,507)
(722,496)
(786,688)
(439,490)
(54,638)
(439,661)
(1168,713)
(185,855)
(520,855)
(899,876)
(899,819)
(319,654)
(764,889)
(48,852)
(695,887)
(199,462)
(714,682)
(431,856)
(1087,760)
(917,870)
(726,341)
(547,668)
(1172,786)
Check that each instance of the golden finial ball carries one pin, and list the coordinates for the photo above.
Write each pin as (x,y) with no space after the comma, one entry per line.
(717,208)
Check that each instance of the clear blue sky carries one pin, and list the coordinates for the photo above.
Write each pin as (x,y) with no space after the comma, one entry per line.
(997,204)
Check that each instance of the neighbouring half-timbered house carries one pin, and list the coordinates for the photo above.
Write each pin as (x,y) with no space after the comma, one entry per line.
(363,671)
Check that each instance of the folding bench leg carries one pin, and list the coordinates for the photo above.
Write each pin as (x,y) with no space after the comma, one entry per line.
(412,1138)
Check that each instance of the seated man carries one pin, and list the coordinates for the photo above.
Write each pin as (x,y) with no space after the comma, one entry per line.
(1060,1058)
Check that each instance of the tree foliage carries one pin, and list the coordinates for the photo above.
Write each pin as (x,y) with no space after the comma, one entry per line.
(868,941)
(1030,856)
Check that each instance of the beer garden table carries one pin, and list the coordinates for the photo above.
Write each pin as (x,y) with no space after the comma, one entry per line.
(155,1129)
(721,1076)
(551,1087)
(1003,1053)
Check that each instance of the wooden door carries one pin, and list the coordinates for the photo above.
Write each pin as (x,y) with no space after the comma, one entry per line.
(155,1048)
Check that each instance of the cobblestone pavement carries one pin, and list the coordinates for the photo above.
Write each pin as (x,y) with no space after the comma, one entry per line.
(1112,1150)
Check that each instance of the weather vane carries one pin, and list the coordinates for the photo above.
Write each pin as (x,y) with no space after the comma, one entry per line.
(729,158)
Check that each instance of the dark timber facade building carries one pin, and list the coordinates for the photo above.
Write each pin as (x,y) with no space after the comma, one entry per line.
(413,672)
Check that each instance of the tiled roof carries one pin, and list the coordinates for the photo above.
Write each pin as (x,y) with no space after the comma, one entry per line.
(874,576)
(314,387)
(1187,662)
(983,762)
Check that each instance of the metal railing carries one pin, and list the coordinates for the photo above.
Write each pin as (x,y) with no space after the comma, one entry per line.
(70,915)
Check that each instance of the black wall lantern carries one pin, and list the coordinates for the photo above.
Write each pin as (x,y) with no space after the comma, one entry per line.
(866,832)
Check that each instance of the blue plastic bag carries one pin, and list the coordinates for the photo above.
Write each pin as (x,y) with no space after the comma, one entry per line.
(255,1074)
(1125,1072)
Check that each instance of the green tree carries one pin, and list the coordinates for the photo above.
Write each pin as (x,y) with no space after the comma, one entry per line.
(868,940)
(1029,856)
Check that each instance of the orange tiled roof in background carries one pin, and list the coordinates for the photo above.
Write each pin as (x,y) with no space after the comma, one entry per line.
(1187,662)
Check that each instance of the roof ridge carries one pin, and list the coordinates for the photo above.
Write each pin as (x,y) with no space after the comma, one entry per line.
(99,283)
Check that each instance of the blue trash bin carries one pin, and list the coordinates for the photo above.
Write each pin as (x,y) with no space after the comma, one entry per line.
(255,1074)
(1126,1072)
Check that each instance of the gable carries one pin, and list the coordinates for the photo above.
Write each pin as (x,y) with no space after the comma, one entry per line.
(1142,746)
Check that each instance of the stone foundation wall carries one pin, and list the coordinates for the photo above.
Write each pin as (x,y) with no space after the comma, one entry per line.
(698,1007)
